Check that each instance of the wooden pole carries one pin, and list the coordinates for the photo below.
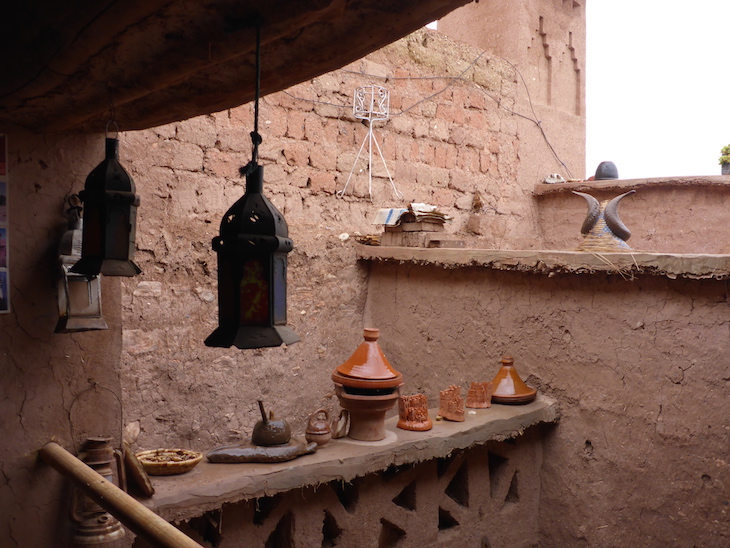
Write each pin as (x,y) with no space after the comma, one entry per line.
(133,514)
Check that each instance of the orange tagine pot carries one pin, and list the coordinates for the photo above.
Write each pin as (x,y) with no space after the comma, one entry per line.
(367,387)
(508,386)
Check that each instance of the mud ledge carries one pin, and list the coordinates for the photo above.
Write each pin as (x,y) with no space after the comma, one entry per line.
(627,265)
(718,181)
(208,486)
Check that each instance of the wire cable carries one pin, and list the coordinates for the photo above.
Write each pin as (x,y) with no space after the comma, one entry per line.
(453,79)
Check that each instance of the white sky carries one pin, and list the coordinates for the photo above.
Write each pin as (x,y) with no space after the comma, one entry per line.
(658,86)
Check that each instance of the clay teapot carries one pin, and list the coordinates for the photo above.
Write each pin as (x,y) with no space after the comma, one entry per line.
(321,430)
(268,431)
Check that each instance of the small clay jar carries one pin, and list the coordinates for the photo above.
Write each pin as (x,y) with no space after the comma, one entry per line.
(508,387)
(318,427)
(413,413)
(268,431)
(479,395)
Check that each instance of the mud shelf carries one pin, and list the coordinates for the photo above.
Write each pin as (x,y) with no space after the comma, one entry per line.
(559,262)
(209,486)
(622,185)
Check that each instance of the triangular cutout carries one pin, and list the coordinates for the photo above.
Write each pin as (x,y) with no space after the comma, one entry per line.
(442,465)
(263,507)
(497,465)
(513,494)
(283,535)
(390,534)
(458,488)
(330,531)
(347,493)
(407,497)
(446,520)
(394,471)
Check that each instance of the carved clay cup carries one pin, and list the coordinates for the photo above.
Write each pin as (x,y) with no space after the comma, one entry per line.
(318,427)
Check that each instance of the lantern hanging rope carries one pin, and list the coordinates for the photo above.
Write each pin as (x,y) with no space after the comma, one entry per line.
(256,138)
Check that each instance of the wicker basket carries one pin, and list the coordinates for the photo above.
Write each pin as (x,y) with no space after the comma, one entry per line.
(167,462)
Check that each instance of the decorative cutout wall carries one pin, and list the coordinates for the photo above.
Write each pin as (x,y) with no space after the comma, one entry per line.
(483,496)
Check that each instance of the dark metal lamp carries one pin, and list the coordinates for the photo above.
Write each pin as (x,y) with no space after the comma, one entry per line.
(110,212)
(252,264)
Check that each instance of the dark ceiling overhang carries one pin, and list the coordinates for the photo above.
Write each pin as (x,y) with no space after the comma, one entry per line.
(66,65)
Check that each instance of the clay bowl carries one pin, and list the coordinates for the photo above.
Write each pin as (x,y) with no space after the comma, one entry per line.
(168,462)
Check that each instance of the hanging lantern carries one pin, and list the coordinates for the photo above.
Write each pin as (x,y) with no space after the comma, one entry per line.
(252,265)
(79,296)
(110,212)
(252,248)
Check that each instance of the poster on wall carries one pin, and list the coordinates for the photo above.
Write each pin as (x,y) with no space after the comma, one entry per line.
(4,247)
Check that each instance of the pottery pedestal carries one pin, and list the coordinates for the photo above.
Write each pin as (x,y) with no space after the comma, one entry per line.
(367,413)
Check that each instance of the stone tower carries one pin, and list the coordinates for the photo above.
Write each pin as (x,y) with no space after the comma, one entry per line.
(545,41)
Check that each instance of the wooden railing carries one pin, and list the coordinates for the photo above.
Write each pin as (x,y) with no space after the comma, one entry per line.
(134,515)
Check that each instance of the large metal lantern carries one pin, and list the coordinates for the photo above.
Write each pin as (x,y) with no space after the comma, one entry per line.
(110,213)
(252,261)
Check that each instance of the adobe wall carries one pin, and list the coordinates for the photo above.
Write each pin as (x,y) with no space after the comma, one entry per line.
(441,149)
(473,497)
(654,347)
(636,424)
(545,40)
(640,369)
(178,392)
(670,215)
(52,386)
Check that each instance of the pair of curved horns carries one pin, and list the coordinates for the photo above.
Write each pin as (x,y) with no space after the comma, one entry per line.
(610,215)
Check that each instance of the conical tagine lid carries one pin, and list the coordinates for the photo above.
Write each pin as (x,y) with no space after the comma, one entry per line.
(508,386)
(367,367)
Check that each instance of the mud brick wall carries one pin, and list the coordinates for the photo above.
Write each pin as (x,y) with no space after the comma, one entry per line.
(639,365)
(448,141)
(645,360)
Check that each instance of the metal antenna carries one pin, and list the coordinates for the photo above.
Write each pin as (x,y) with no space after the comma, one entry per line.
(371,103)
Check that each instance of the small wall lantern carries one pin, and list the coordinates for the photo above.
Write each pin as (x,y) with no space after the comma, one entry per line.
(110,212)
(79,296)
(252,264)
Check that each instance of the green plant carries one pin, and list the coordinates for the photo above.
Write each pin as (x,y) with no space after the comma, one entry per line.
(725,158)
